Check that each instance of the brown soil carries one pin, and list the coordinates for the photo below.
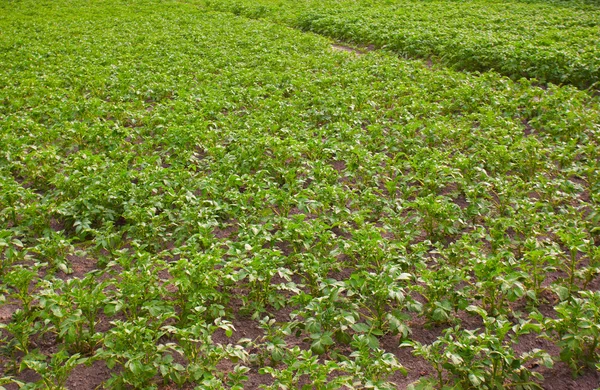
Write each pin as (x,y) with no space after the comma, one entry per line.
(89,377)
(347,49)
(416,366)
(6,312)
(560,378)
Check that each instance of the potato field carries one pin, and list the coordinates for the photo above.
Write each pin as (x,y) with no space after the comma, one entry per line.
(277,194)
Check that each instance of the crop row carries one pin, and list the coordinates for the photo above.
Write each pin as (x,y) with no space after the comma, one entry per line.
(204,200)
(551,42)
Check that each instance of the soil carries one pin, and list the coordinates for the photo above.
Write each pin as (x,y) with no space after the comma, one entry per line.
(347,49)
(80,266)
(416,366)
(6,312)
(560,378)
(89,377)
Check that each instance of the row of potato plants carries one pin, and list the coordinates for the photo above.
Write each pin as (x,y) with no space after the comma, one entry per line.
(193,198)
(552,42)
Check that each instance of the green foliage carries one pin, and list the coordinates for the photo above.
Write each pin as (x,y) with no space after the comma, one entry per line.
(554,42)
(136,347)
(54,371)
(300,363)
(482,360)
(576,329)
(192,198)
